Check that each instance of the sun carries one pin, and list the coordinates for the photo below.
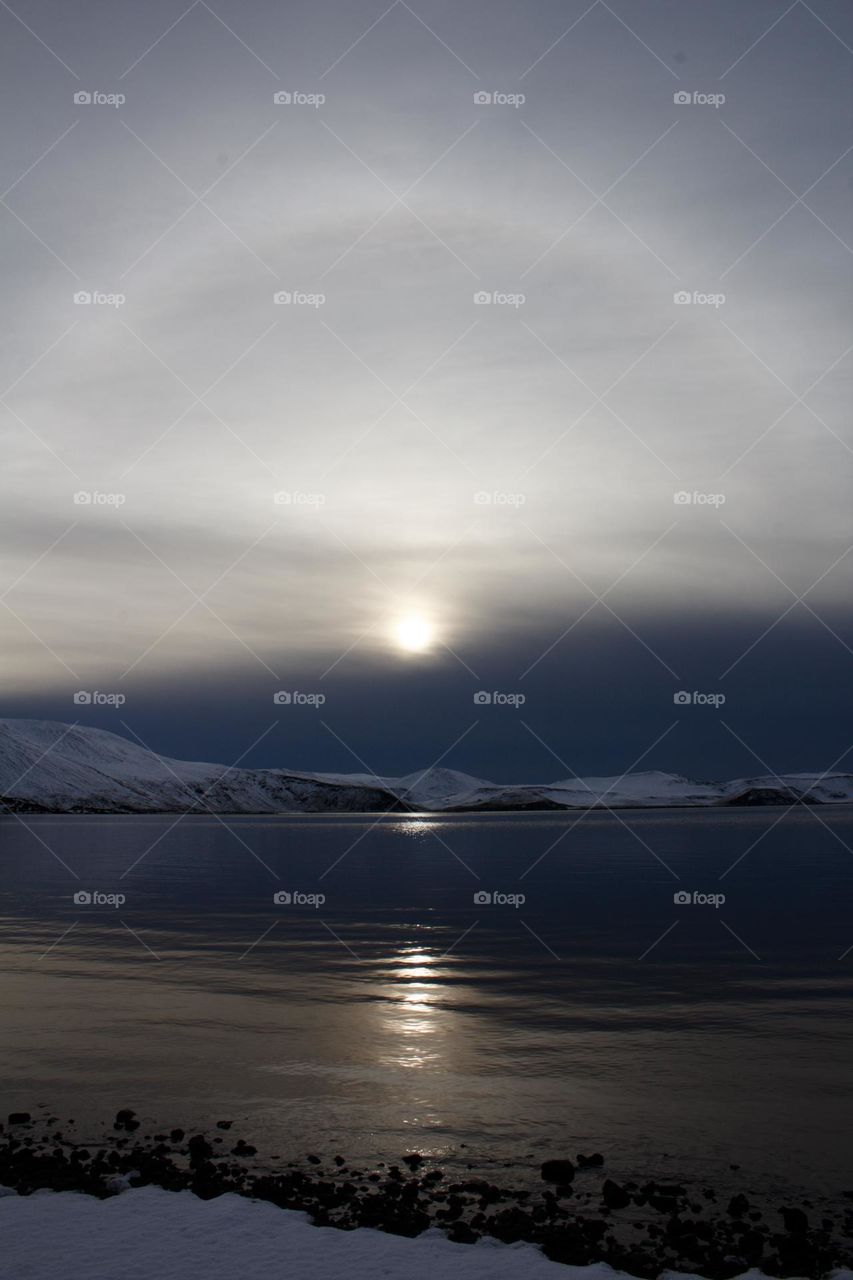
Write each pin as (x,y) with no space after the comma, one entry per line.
(414,633)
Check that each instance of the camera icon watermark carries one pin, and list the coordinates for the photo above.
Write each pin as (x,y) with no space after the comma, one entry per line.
(95,698)
(695,98)
(497,298)
(95,98)
(696,298)
(495,898)
(695,698)
(297,298)
(495,499)
(295,898)
(497,98)
(683,498)
(94,898)
(294,698)
(682,898)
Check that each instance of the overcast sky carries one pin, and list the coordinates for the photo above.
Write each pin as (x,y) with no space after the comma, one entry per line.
(492,468)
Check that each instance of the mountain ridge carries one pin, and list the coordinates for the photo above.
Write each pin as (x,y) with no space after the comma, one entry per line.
(47,766)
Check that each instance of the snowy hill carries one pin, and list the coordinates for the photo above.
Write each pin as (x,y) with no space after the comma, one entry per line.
(46,766)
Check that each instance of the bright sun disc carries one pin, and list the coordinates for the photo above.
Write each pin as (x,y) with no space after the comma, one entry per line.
(414,634)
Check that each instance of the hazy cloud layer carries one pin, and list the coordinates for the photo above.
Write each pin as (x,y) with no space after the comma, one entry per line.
(656,394)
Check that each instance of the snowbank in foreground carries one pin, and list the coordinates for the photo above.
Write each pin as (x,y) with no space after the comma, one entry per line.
(151,1234)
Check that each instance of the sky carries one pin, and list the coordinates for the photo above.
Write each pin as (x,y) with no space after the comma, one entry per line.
(525,329)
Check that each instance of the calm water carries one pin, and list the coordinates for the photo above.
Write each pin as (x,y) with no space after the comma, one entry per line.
(400,1013)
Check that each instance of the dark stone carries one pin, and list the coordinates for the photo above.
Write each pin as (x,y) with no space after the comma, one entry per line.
(200,1149)
(224,1124)
(795,1221)
(176,1135)
(19,1117)
(461,1233)
(126,1119)
(557,1171)
(590,1162)
(738,1205)
(614,1196)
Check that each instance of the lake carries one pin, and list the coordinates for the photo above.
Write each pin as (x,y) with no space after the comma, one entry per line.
(581,1008)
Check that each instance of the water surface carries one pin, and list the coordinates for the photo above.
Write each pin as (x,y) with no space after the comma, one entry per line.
(401,1013)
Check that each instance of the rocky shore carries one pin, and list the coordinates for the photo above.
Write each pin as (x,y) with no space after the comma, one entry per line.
(579,1216)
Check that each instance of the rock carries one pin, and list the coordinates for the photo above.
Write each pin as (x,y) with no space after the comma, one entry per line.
(738,1205)
(557,1171)
(176,1135)
(461,1233)
(413,1160)
(590,1162)
(199,1148)
(19,1117)
(126,1119)
(224,1124)
(795,1221)
(614,1196)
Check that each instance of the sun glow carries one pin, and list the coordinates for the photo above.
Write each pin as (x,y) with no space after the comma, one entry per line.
(414,633)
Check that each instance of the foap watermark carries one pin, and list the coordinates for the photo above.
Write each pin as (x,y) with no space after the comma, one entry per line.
(296,498)
(295,898)
(495,898)
(496,298)
(294,698)
(296,298)
(692,498)
(97,298)
(696,98)
(94,898)
(296,98)
(496,499)
(696,698)
(497,98)
(682,898)
(696,298)
(94,498)
(96,98)
(497,698)
(96,698)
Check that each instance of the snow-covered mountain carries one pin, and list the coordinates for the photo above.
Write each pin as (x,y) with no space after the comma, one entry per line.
(46,766)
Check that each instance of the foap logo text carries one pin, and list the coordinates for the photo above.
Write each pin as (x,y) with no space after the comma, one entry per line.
(296,98)
(97,98)
(497,298)
(696,698)
(692,498)
(696,298)
(296,898)
(496,898)
(94,898)
(498,698)
(682,898)
(498,98)
(96,698)
(696,98)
